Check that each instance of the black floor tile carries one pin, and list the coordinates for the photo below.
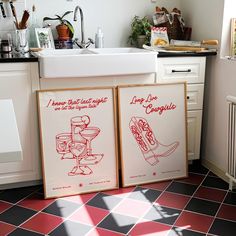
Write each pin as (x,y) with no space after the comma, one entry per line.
(62,208)
(104,201)
(203,206)
(15,195)
(16,215)
(182,188)
(215,182)
(144,194)
(40,190)
(196,167)
(162,214)
(230,198)
(175,231)
(223,228)
(70,228)
(212,174)
(119,223)
(23,232)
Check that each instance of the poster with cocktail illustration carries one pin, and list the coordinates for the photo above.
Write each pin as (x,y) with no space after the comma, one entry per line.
(152,125)
(78,140)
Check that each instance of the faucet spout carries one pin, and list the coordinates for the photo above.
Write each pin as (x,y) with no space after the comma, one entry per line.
(81,44)
(81,21)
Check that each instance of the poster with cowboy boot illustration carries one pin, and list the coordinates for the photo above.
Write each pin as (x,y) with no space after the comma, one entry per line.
(78,140)
(152,121)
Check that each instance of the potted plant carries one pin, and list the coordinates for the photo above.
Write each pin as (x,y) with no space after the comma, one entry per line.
(65,29)
(140,31)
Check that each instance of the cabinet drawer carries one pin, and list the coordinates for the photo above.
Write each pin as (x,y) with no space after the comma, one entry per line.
(189,69)
(195,96)
(194,121)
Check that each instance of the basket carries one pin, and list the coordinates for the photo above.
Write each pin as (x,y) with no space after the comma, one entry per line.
(172,21)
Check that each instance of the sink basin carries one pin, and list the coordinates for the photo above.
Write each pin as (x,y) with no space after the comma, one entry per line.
(63,52)
(95,62)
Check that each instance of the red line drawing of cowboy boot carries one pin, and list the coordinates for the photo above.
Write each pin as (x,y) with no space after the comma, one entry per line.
(148,154)
(148,137)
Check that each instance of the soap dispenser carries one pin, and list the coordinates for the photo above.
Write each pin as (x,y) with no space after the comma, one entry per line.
(99,39)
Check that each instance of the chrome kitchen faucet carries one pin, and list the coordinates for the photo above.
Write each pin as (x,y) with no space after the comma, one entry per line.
(81,44)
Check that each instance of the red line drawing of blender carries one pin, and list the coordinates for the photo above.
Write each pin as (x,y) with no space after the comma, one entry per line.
(150,147)
(77,145)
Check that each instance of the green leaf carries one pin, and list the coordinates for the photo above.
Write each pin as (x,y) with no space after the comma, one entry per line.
(66,13)
(50,18)
(71,28)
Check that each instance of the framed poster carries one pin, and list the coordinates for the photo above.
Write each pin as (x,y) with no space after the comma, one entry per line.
(152,122)
(44,38)
(233,37)
(78,140)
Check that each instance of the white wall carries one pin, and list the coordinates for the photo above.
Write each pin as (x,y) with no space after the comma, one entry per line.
(113,16)
(204,16)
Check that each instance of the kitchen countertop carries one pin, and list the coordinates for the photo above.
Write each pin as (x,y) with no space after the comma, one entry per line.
(28,57)
(186,54)
(16,57)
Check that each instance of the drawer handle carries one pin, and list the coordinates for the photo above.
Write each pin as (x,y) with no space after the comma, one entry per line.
(188,97)
(181,71)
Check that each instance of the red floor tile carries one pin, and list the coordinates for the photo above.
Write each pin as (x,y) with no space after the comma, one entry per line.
(89,215)
(210,194)
(6,228)
(132,207)
(158,186)
(192,179)
(149,228)
(35,202)
(4,206)
(227,212)
(173,200)
(193,221)
(103,232)
(122,192)
(80,199)
(42,223)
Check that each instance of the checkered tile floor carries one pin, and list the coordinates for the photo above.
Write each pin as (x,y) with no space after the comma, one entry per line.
(198,205)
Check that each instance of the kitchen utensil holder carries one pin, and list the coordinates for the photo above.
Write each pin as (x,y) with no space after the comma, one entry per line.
(22,42)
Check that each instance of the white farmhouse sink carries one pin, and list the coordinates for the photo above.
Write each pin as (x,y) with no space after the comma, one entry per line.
(95,62)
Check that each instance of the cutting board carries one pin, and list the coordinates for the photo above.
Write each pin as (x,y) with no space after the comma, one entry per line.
(182,48)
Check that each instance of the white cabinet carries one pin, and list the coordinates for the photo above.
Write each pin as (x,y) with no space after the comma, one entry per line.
(18,82)
(191,70)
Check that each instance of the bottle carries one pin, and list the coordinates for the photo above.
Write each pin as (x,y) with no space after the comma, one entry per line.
(33,24)
(99,39)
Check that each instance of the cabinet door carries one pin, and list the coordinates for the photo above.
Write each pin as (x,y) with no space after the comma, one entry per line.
(195,96)
(16,84)
(194,120)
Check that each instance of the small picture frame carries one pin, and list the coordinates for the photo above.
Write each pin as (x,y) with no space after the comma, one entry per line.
(44,38)
(233,37)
